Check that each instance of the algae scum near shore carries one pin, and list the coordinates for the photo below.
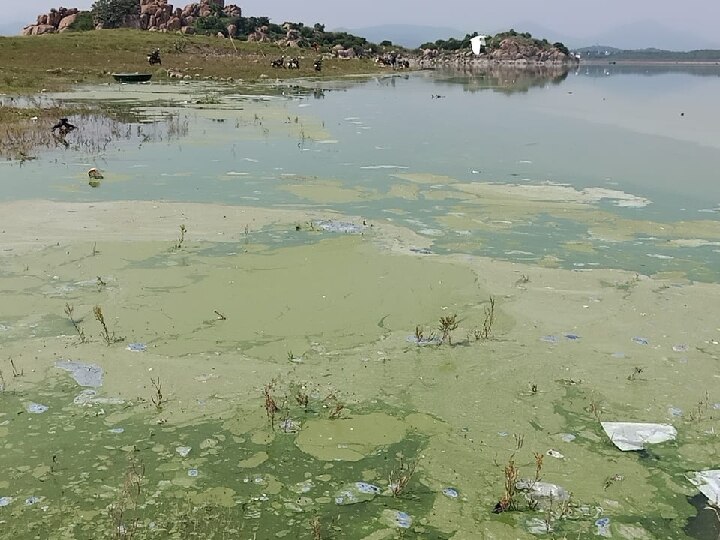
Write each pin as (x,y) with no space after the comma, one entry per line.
(364,341)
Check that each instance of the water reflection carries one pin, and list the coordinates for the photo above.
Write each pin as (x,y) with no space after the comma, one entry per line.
(504,78)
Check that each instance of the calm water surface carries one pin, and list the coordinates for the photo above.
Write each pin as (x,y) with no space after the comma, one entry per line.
(649,132)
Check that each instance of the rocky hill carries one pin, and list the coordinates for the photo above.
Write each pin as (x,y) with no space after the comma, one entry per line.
(153,15)
(58,20)
(505,47)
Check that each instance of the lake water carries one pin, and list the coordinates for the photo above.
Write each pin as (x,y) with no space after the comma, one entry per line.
(328,226)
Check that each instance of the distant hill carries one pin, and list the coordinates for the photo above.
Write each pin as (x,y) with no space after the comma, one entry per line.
(407,35)
(636,35)
(611,54)
(649,34)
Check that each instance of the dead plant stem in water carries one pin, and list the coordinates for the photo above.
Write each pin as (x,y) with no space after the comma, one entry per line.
(400,478)
(69,310)
(109,337)
(271,406)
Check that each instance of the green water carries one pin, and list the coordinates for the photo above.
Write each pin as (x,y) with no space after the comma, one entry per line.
(583,204)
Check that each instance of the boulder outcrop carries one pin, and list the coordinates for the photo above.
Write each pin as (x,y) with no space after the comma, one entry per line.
(57,20)
(156,15)
(513,50)
(161,16)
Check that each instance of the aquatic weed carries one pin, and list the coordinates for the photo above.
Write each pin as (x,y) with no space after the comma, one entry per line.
(179,243)
(271,406)
(157,399)
(109,337)
(447,325)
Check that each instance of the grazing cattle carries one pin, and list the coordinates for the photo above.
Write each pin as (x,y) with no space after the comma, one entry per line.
(293,63)
(317,65)
(278,62)
(387,59)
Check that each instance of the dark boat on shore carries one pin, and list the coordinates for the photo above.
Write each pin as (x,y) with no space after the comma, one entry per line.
(132,77)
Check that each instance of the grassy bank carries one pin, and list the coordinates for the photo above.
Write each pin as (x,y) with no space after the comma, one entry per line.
(59,61)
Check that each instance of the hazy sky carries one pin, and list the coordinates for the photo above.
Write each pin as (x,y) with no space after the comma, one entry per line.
(577,18)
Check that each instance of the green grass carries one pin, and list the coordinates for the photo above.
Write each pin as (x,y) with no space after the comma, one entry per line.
(59,61)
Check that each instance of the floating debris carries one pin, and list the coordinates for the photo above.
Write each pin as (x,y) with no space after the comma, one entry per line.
(32,500)
(89,398)
(543,491)
(290,426)
(603,527)
(364,487)
(680,348)
(5,501)
(397,518)
(356,492)
(84,374)
(136,347)
(567,437)
(183,451)
(675,411)
(430,340)
(36,408)
(117,430)
(572,337)
(331,225)
(549,339)
(555,454)
(192,472)
(634,436)
(422,251)
(538,526)
(708,482)
(640,340)
(450,492)
(303,487)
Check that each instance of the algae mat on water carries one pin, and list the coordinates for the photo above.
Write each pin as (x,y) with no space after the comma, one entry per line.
(276,375)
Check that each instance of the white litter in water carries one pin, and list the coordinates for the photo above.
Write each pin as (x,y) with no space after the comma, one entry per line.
(183,450)
(234,173)
(384,167)
(36,408)
(84,374)
(634,436)
(328,141)
(89,398)
(708,482)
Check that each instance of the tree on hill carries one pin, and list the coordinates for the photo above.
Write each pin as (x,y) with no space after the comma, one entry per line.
(493,42)
(114,13)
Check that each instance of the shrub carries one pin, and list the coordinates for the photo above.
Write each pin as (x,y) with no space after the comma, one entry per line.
(561,46)
(113,13)
(83,23)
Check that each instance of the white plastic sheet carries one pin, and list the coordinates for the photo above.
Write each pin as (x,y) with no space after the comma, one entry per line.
(634,435)
(708,482)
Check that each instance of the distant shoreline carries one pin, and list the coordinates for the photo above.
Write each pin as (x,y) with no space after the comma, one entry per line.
(595,62)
